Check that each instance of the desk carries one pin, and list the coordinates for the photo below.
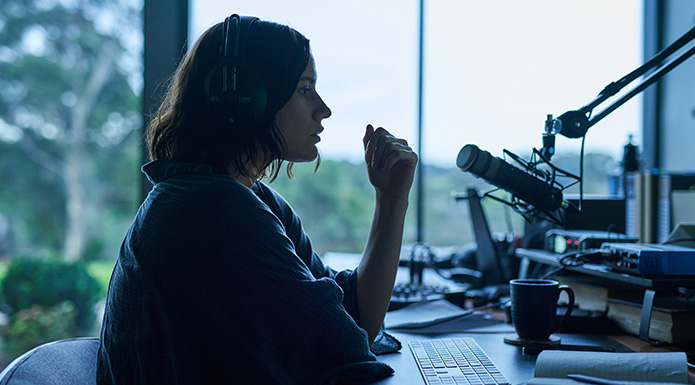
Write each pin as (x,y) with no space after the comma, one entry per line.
(517,367)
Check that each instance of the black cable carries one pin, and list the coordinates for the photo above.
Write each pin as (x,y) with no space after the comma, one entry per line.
(578,258)
(552,272)
(581,175)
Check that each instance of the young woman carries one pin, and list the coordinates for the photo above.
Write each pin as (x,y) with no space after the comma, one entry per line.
(216,281)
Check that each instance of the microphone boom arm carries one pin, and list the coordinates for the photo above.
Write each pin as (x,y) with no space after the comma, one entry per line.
(646,83)
(580,120)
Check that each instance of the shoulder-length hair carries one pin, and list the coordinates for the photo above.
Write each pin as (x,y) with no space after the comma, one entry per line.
(183,129)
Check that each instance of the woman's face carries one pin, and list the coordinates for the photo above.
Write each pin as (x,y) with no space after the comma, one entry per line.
(299,121)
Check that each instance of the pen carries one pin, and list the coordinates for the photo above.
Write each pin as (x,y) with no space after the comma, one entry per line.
(593,380)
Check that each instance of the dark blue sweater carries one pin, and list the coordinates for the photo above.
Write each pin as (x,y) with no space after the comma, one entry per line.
(217,283)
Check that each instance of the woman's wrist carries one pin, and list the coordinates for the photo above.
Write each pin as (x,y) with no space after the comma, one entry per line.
(391,199)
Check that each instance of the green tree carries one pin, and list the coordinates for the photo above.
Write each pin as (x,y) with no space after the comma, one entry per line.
(69,91)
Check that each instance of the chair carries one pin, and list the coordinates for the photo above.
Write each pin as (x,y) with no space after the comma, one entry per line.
(69,361)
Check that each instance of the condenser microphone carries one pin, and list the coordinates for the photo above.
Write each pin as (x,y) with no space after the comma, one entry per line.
(521,184)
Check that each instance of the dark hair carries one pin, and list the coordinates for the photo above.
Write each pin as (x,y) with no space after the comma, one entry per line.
(184,130)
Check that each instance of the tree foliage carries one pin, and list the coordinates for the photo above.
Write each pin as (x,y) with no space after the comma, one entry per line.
(69,111)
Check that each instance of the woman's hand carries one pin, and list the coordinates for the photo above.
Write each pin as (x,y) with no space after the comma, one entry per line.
(390,163)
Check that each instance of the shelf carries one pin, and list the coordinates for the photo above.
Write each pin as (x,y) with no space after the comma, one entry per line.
(651,284)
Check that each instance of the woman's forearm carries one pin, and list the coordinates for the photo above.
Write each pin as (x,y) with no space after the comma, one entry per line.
(376,272)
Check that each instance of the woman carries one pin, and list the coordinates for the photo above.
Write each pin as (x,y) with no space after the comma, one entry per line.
(216,281)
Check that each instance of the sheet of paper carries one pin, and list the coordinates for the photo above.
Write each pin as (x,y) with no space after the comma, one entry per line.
(423,313)
(654,367)
(441,317)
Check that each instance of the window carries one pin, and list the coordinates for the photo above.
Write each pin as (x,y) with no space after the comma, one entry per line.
(70,119)
(493,71)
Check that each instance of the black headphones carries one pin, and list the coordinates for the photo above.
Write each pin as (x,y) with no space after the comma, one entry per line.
(235,91)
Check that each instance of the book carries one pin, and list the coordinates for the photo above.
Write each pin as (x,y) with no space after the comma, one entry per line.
(592,293)
(553,367)
(672,318)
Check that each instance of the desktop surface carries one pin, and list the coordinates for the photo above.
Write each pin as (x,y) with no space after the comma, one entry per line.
(516,366)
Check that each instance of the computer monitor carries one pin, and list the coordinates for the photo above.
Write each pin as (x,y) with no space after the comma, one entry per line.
(599,213)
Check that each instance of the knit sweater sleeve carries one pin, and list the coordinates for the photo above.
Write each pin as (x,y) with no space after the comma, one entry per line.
(304,250)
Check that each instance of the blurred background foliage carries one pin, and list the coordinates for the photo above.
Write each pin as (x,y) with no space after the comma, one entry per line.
(45,300)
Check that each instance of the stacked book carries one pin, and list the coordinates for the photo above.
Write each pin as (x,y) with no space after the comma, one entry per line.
(673,316)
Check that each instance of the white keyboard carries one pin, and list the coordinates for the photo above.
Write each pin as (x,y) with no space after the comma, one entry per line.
(455,361)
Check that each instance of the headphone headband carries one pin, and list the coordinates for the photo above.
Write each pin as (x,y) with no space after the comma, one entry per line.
(233,42)
(241,96)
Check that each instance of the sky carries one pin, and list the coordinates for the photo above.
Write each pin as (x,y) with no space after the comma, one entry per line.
(493,69)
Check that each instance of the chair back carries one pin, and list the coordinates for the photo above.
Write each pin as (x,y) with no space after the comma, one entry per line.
(70,361)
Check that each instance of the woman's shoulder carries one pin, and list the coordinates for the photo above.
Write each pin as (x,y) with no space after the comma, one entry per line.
(265,192)
(273,199)
(182,186)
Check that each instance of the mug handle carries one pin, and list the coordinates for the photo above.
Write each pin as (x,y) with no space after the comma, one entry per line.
(570,306)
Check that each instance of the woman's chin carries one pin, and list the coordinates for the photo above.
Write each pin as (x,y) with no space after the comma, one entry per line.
(306,157)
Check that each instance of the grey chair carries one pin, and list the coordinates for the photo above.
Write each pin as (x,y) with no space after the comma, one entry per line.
(70,361)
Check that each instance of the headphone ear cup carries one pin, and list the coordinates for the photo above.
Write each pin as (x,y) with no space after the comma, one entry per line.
(248,106)
(245,107)
(213,95)
(236,93)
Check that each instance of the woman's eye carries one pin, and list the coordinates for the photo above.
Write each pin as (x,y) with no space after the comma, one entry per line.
(305,90)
